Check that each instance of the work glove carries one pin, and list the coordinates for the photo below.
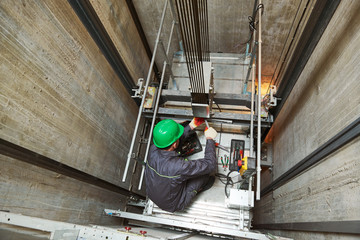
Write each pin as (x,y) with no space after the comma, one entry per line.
(196,122)
(210,133)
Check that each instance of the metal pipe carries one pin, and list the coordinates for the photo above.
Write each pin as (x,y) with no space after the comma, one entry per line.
(252,103)
(250,183)
(166,57)
(152,125)
(167,53)
(254,48)
(251,60)
(178,34)
(176,24)
(170,38)
(156,106)
(144,95)
(258,169)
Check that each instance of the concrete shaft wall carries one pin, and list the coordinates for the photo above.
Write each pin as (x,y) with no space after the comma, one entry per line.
(324,101)
(60,98)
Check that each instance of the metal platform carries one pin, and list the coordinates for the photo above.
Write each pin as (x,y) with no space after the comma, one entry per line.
(211,212)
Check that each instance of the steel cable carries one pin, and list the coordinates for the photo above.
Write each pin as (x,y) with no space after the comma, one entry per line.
(193,21)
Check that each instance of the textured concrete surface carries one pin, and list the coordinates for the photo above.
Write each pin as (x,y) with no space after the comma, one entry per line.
(323,102)
(326,97)
(117,20)
(60,98)
(36,192)
(59,95)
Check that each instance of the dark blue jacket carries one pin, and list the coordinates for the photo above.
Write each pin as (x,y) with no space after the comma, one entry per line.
(166,174)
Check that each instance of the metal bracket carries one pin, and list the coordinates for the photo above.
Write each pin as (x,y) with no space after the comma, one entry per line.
(136,202)
(149,207)
(273,99)
(139,90)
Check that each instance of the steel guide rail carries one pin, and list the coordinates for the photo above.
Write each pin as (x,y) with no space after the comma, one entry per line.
(144,95)
(156,108)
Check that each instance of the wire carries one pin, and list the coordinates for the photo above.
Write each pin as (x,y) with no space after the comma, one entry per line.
(218,107)
(252,22)
(259,7)
(222,177)
(227,180)
(220,139)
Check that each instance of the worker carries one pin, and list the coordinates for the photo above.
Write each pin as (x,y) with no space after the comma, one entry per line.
(173,181)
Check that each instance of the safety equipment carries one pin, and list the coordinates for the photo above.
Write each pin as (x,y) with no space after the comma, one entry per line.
(166,132)
(196,122)
(167,173)
(210,133)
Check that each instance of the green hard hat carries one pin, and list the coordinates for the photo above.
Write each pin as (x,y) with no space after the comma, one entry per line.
(166,132)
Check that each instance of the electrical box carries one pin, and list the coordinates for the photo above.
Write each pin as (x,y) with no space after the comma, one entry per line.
(150,98)
(190,146)
(248,167)
(236,154)
(239,198)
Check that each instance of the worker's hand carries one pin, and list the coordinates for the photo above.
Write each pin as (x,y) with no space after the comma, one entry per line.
(196,122)
(210,133)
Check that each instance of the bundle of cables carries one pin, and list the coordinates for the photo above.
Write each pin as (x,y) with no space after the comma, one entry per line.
(227,180)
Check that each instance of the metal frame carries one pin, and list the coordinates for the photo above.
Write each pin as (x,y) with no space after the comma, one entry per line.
(349,133)
(70,231)
(234,118)
(219,98)
(190,225)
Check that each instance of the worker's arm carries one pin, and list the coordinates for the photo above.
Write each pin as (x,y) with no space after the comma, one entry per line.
(192,125)
(206,165)
(187,131)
